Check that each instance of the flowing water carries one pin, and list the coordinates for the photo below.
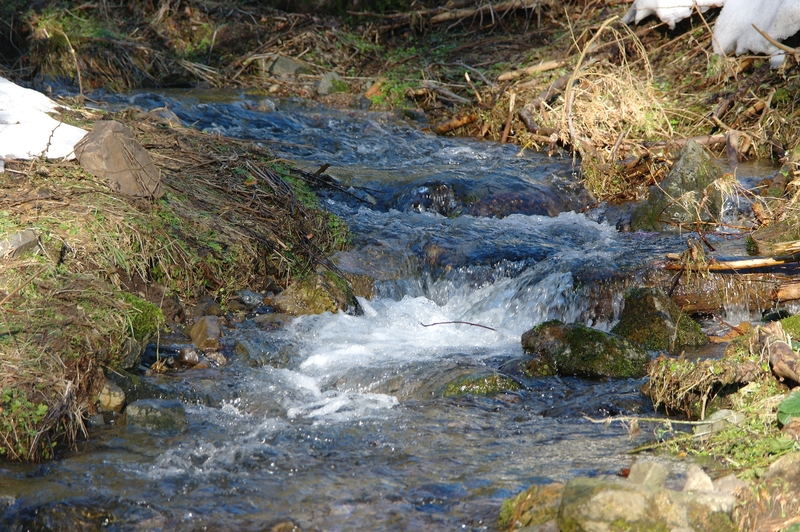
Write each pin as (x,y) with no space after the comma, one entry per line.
(340,422)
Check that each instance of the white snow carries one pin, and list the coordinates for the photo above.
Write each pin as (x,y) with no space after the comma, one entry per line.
(733,30)
(27,131)
(669,11)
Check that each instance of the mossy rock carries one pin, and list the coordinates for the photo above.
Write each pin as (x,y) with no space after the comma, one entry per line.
(577,350)
(323,292)
(534,506)
(688,180)
(792,326)
(652,320)
(763,239)
(145,317)
(481,384)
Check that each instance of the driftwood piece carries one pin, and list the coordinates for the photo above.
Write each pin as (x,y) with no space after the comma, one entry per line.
(544,66)
(782,358)
(454,123)
(732,265)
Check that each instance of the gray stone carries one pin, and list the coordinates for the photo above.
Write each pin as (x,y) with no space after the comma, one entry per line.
(730,484)
(590,504)
(720,420)
(330,83)
(713,501)
(250,299)
(287,66)
(697,480)
(13,246)
(206,331)
(110,152)
(652,320)
(648,474)
(156,414)
(579,350)
(675,200)
(111,398)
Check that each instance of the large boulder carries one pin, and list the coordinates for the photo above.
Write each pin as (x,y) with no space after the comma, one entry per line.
(679,199)
(642,502)
(577,350)
(110,152)
(652,320)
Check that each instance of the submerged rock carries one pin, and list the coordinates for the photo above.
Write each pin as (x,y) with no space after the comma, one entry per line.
(676,200)
(158,414)
(578,350)
(652,320)
(482,383)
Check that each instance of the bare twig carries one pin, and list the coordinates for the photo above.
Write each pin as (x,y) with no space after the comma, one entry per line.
(459,323)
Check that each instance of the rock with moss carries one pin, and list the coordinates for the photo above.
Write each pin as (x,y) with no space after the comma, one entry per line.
(535,506)
(677,200)
(652,320)
(577,350)
(323,292)
(483,383)
(791,325)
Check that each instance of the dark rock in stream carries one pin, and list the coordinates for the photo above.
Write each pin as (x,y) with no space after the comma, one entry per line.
(578,350)
(155,414)
(652,320)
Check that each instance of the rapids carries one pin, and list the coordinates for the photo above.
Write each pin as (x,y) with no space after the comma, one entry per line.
(339,422)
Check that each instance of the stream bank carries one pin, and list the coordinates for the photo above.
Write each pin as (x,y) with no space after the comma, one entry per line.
(201,231)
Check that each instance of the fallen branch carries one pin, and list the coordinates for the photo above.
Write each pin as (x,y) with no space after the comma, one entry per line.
(733,265)
(544,66)
(454,123)
(457,323)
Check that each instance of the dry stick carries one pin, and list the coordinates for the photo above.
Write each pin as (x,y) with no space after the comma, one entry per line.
(472,86)
(510,116)
(773,42)
(23,285)
(457,322)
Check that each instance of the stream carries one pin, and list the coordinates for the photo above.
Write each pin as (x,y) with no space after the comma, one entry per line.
(338,422)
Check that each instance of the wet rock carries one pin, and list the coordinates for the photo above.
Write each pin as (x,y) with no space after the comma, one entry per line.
(652,320)
(250,299)
(187,357)
(206,331)
(257,353)
(110,152)
(686,182)
(578,350)
(156,414)
(202,390)
(111,398)
(324,292)
(330,83)
(14,246)
(481,383)
(535,507)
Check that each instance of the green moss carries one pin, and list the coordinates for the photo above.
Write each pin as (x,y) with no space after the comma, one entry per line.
(792,326)
(491,384)
(144,317)
(534,506)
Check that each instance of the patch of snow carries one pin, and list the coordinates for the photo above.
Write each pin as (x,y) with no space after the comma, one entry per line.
(27,131)
(669,11)
(734,31)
